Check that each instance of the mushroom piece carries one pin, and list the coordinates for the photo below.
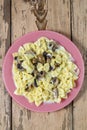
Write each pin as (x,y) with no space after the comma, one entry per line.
(19,66)
(35,83)
(57,64)
(55,46)
(19,63)
(55,93)
(49,56)
(41,74)
(28,87)
(16,57)
(54,80)
(41,58)
(37,77)
(50,45)
(34,73)
(45,55)
(50,68)
(34,61)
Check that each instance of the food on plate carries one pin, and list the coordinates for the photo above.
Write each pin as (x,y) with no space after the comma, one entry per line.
(44,71)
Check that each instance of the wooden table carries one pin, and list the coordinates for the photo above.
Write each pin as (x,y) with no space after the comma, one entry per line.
(68,17)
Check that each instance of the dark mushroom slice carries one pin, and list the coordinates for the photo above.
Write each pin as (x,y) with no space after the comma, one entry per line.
(34,73)
(19,66)
(28,87)
(53,57)
(15,58)
(35,83)
(57,64)
(42,73)
(41,58)
(50,68)
(54,47)
(50,45)
(34,61)
(45,55)
(55,93)
(37,76)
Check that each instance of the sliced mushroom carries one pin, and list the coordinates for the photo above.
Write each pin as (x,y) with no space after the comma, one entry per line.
(50,45)
(50,68)
(57,64)
(55,93)
(34,61)
(19,66)
(41,58)
(15,58)
(54,47)
(45,55)
(34,73)
(37,76)
(49,56)
(28,87)
(35,83)
(54,80)
(42,74)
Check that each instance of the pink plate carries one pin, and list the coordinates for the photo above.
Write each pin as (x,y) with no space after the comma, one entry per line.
(7,70)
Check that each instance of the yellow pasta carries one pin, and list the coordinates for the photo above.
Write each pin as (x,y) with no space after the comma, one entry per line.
(44,72)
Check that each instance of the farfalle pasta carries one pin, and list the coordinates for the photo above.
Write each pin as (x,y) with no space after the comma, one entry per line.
(44,71)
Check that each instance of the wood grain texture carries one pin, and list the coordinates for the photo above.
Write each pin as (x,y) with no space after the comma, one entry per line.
(59,16)
(5,100)
(22,22)
(39,9)
(22,19)
(79,36)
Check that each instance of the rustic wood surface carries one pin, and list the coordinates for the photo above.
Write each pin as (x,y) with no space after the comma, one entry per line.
(5,100)
(68,17)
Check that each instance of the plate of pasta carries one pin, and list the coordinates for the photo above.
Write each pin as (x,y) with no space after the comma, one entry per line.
(43,71)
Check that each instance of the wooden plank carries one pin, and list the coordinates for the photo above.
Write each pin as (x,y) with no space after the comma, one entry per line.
(22,19)
(22,22)
(5,100)
(79,36)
